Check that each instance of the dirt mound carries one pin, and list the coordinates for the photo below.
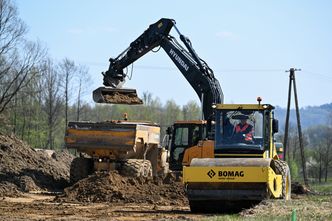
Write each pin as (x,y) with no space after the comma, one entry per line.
(23,168)
(118,98)
(298,188)
(114,188)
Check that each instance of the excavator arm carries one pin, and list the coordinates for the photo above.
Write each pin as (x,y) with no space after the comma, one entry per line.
(194,69)
(151,38)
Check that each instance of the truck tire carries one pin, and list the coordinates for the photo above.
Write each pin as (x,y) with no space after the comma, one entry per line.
(283,169)
(80,168)
(136,168)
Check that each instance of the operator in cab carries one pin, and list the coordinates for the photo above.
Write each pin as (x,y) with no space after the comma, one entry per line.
(243,131)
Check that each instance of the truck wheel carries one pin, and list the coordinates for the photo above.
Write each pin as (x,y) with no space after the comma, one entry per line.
(80,168)
(283,169)
(136,168)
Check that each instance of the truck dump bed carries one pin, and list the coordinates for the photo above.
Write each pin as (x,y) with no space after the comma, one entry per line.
(112,138)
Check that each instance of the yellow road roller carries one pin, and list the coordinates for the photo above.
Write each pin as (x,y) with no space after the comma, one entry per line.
(243,166)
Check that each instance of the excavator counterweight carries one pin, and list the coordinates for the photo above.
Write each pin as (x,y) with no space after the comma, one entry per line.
(116,96)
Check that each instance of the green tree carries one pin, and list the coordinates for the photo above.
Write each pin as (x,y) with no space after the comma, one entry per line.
(191,111)
(321,143)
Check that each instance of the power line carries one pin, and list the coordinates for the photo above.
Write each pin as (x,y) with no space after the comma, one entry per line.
(150,67)
(244,70)
(250,70)
(325,76)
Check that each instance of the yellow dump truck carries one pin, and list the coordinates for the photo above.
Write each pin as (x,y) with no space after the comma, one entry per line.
(130,147)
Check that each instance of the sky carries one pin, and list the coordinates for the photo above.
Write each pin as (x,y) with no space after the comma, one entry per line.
(248,44)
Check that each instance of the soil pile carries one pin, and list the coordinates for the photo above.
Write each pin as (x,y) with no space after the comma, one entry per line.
(114,188)
(298,188)
(24,169)
(119,98)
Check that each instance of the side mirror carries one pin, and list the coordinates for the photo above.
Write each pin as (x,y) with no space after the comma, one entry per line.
(169,131)
(275,126)
(165,142)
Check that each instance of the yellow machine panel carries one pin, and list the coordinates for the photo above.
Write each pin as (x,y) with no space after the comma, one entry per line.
(227,174)
(243,166)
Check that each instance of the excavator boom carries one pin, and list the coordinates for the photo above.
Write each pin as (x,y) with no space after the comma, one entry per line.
(114,77)
(193,68)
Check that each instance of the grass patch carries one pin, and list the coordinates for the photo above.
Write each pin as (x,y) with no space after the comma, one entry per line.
(307,207)
(322,187)
(239,218)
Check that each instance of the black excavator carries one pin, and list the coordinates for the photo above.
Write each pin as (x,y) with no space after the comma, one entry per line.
(183,134)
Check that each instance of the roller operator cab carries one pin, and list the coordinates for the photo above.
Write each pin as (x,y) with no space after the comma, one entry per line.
(244,166)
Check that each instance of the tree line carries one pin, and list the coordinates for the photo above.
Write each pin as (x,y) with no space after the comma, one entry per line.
(317,142)
(39,96)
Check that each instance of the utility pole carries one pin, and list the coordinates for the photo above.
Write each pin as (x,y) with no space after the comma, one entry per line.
(292,80)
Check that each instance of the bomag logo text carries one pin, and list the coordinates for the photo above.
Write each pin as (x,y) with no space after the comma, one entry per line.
(230,173)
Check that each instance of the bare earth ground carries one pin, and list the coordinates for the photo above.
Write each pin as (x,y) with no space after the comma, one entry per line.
(30,182)
(44,207)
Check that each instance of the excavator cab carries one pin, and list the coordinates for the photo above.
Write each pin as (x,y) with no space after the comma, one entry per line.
(185,134)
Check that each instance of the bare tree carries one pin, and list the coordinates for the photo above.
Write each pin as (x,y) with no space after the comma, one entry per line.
(68,70)
(52,101)
(83,85)
(25,108)
(17,72)
(16,69)
(12,28)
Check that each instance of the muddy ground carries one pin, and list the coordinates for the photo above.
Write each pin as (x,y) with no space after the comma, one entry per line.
(46,207)
(114,188)
(41,207)
(34,185)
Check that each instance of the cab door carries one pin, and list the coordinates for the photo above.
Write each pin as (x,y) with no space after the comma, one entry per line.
(184,136)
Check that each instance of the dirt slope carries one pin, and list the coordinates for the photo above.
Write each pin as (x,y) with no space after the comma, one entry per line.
(114,188)
(24,169)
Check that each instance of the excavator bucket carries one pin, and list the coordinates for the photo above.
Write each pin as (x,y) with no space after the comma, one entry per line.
(116,96)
